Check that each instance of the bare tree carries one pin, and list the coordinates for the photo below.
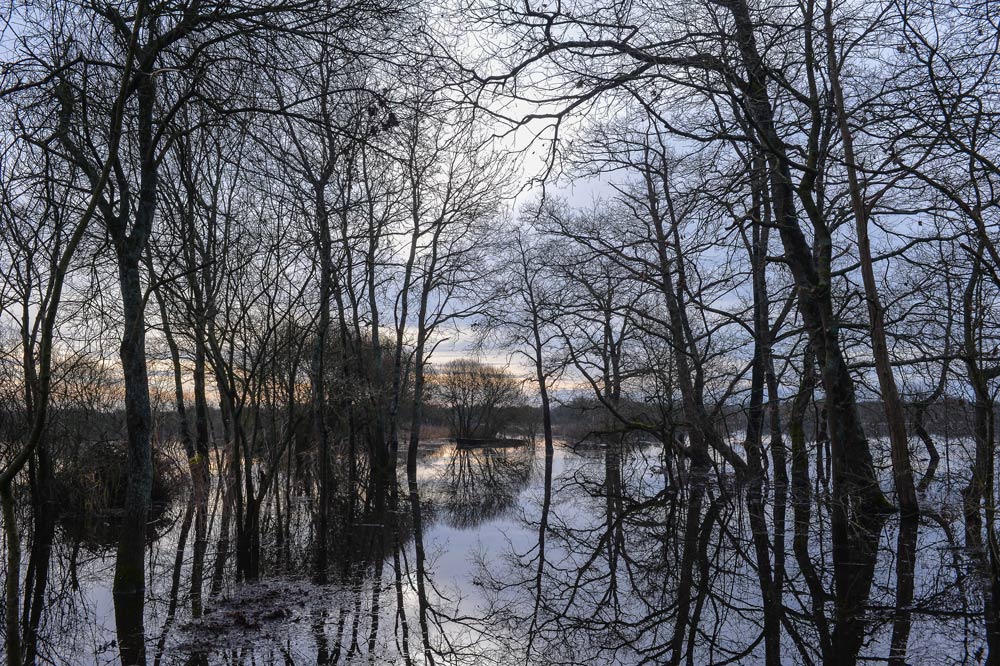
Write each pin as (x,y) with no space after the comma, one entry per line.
(475,396)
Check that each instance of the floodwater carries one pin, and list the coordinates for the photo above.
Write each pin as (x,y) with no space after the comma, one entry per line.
(596,556)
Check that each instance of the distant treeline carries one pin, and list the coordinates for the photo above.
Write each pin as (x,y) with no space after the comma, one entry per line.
(575,418)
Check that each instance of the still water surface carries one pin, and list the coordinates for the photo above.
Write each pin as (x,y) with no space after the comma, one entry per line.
(513,561)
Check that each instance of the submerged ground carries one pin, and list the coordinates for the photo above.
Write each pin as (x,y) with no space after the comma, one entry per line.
(513,561)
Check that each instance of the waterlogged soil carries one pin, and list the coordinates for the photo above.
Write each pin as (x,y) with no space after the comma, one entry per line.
(252,612)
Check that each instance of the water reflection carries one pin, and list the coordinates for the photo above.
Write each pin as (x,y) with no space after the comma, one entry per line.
(610,555)
(473,485)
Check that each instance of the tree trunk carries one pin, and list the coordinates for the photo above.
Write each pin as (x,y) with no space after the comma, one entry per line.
(902,470)
(11,592)
(130,585)
(317,386)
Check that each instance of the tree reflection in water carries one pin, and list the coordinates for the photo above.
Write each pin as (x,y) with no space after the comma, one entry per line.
(476,485)
(610,555)
(638,571)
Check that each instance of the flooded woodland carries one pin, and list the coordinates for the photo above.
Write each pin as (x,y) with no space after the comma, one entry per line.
(489,332)
(602,551)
